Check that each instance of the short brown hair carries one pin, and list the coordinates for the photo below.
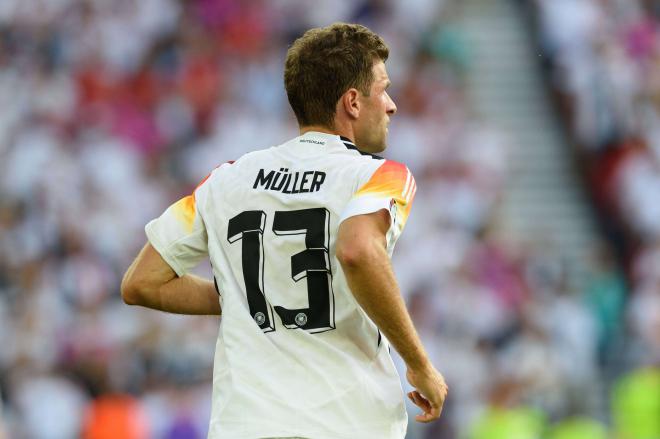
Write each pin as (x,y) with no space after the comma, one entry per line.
(325,62)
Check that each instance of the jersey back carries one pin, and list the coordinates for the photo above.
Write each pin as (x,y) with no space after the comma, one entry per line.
(296,355)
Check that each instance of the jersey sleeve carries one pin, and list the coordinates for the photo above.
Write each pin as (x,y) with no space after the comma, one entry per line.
(391,186)
(179,234)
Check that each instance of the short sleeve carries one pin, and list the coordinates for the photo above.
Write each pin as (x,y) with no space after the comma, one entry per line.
(179,234)
(392,187)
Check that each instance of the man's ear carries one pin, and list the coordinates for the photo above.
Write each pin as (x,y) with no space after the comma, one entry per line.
(350,103)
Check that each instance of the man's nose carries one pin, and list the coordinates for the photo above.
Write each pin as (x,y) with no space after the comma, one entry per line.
(391,106)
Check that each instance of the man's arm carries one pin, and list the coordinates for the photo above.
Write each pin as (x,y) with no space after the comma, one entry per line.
(152,283)
(362,253)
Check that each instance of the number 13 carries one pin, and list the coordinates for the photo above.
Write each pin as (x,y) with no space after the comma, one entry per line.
(313,263)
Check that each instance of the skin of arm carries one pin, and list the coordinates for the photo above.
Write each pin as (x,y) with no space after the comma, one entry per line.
(362,253)
(151,282)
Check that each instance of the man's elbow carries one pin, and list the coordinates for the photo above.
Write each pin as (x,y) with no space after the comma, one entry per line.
(353,255)
(133,292)
(345,256)
(361,240)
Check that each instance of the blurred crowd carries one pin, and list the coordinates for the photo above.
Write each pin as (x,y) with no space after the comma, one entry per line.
(604,64)
(113,110)
(603,59)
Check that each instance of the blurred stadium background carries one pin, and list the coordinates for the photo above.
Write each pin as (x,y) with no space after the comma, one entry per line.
(531,263)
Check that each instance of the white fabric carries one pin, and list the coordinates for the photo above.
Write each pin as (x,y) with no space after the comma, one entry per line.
(329,379)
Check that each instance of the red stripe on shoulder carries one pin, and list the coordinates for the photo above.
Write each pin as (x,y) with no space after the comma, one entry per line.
(389,178)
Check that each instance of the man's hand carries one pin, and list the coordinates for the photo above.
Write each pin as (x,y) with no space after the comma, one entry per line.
(429,394)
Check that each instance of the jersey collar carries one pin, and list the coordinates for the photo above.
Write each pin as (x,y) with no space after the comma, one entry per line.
(319,138)
(324,139)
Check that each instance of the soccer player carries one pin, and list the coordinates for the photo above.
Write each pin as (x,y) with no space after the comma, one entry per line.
(300,237)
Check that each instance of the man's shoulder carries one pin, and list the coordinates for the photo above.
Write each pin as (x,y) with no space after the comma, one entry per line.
(255,156)
(341,154)
(383,169)
(250,158)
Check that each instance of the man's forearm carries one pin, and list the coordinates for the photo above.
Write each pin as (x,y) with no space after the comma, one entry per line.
(372,281)
(187,295)
(150,282)
(181,295)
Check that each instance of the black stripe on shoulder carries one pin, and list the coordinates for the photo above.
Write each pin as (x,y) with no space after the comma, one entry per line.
(351,145)
(217,290)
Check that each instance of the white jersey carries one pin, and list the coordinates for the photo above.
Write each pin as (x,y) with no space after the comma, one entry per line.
(295,355)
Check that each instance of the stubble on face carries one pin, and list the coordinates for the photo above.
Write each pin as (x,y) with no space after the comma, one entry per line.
(371,133)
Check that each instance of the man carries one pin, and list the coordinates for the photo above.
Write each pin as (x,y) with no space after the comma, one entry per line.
(300,237)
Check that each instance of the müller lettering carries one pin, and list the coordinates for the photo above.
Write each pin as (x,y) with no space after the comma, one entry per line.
(298,182)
